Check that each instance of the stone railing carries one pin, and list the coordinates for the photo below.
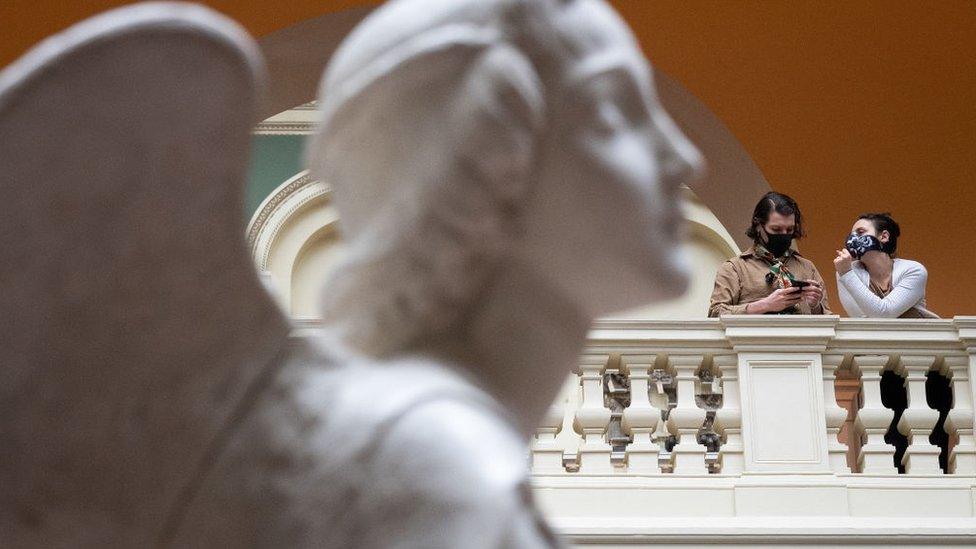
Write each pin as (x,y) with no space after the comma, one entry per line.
(763,430)
(732,429)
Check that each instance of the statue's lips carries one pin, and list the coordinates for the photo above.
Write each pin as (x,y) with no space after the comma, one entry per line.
(672,224)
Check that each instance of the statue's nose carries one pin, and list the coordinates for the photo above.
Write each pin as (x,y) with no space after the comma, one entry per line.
(680,160)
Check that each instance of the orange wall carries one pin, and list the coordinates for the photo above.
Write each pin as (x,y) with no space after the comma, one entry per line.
(848,106)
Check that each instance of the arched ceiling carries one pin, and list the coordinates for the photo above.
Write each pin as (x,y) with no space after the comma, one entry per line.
(849,106)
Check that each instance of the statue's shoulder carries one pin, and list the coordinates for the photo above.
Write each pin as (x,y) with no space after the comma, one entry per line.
(447,466)
(337,443)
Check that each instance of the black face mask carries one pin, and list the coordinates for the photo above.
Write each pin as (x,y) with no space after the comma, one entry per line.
(778,244)
(860,244)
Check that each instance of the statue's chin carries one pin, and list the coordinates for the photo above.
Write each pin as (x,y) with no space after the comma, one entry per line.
(671,276)
(663,278)
(676,278)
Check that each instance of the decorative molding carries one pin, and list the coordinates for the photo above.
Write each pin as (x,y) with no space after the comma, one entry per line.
(762,531)
(301,120)
(272,201)
(809,333)
(276,209)
(709,336)
(285,128)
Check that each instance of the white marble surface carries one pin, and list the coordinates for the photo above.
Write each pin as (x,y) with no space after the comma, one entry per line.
(503,173)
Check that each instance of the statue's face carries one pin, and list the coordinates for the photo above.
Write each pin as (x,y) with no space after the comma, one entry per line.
(613,165)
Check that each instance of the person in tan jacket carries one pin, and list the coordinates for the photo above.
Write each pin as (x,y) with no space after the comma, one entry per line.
(770,277)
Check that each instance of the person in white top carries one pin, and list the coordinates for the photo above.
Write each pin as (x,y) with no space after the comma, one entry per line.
(871,281)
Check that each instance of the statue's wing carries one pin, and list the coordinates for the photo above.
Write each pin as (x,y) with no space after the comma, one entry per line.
(131,319)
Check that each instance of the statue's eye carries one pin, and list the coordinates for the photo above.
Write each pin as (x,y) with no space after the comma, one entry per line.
(610,115)
(614,101)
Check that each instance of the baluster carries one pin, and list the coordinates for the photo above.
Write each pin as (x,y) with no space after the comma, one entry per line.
(570,437)
(835,416)
(709,398)
(847,391)
(728,418)
(689,456)
(555,437)
(961,418)
(593,417)
(616,396)
(918,421)
(938,393)
(665,434)
(877,456)
(641,418)
(962,456)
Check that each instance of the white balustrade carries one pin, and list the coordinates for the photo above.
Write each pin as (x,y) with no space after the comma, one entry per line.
(918,420)
(689,455)
(834,415)
(581,440)
(642,418)
(874,419)
(962,456)
(556,444)
(964,398)
(593,417)
(777,377)
(728,418)
(664,394)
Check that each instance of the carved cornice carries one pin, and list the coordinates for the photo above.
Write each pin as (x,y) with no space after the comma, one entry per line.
(285,128)
(770,333)
(831,335)
(966,327)
(301,120)
(774,333)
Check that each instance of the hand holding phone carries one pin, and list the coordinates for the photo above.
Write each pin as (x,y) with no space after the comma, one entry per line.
(812,291)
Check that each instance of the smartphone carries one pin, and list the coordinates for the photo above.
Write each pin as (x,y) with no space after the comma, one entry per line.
(801,284)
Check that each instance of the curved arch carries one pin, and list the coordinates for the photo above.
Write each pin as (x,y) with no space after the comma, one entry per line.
(315,259)
(276,209)
(703,223)
(282,225)
(733,182)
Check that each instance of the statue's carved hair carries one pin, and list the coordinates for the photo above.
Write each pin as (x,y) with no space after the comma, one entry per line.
(430,145)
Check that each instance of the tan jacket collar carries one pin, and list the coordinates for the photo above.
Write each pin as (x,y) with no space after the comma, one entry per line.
(751,252)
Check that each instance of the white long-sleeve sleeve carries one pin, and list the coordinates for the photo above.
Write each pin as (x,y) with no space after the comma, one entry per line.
(908,281)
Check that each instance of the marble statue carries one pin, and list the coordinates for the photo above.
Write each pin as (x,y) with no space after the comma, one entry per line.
(504,174)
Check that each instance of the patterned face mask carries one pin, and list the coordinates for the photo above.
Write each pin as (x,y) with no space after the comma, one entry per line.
(860,244)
